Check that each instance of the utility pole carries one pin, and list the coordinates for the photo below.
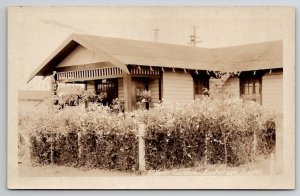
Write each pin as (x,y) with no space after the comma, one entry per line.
(156,30)
(193,38)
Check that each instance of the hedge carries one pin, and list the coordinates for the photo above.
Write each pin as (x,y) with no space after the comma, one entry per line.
(229,132)
(209,131)
(111,151)
(115,152)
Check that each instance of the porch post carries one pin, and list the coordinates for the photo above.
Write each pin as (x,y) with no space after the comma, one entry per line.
(127,91)
(54,86)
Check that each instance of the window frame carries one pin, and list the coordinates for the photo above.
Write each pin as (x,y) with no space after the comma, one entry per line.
(250,81)
(114,82)
(200,81)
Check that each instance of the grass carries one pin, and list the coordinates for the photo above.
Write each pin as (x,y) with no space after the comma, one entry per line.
(262,167)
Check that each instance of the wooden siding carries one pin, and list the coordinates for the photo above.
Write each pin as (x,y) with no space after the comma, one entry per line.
(80,55)
(154,88)
(90,86)
(272,91)
(232,86)
(120,88)
(177,87)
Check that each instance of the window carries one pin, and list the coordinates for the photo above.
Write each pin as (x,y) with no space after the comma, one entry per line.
(108,88)
(201,85)
(251,87)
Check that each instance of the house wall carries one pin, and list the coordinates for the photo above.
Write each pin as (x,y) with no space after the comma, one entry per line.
(90,86)
(81,56)
(154,88)
(232,86)
(120,88)
(177,87)
(272,91)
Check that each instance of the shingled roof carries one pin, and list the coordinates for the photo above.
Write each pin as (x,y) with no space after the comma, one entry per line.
(122,52)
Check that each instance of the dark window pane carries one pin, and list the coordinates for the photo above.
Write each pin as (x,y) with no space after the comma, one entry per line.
(200,84)
(109,89)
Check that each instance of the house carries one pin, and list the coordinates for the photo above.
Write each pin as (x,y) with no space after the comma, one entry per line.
(121,68)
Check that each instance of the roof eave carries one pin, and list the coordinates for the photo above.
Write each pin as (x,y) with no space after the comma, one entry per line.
(47,60)
(84,43)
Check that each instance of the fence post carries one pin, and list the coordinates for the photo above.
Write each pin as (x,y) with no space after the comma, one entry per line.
(225,146)
(79,145)
(51,149)
(206,149)
(142,162)
(254,144)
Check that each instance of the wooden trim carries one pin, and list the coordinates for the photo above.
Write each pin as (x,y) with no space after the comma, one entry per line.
(84,67)
(161,85)
(144,76)
(127,91)
(90,74)
(160,88)
(144,70)
(88,79)
(260,89)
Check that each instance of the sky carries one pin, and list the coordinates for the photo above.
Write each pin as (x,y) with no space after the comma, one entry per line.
(35,32)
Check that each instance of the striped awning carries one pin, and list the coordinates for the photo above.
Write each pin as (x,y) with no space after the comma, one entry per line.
(90,74)
(144,70)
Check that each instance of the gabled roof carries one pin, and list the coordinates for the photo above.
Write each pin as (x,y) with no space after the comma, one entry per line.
(66,48)
(264,55)
(122,52)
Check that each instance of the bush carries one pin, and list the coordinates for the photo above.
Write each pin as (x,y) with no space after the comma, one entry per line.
(211,130)
(66,149)
(41,149)
(217,131)
(173,145)
(86,139)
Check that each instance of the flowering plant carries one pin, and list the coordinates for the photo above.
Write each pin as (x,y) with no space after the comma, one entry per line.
(143,96)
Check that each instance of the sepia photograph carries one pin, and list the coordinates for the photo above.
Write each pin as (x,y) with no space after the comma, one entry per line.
(151,97)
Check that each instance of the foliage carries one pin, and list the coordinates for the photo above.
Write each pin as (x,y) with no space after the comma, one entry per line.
(118,105)
(213,130)
(143,96)
(88,138)
(74,99)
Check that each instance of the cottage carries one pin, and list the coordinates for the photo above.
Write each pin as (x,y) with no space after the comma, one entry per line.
(122,67)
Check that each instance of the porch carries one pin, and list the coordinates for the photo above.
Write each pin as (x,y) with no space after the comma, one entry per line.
(113,82)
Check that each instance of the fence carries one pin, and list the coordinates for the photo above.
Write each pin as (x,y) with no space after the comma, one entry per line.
(151,149)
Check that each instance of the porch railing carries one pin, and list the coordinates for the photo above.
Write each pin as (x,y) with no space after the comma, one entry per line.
(90,73)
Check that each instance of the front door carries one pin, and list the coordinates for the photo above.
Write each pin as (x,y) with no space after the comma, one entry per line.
(138,84)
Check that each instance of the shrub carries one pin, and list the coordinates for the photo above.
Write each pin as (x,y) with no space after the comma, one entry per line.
(88,138)
(66,149)
(41,149)
(211,130)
